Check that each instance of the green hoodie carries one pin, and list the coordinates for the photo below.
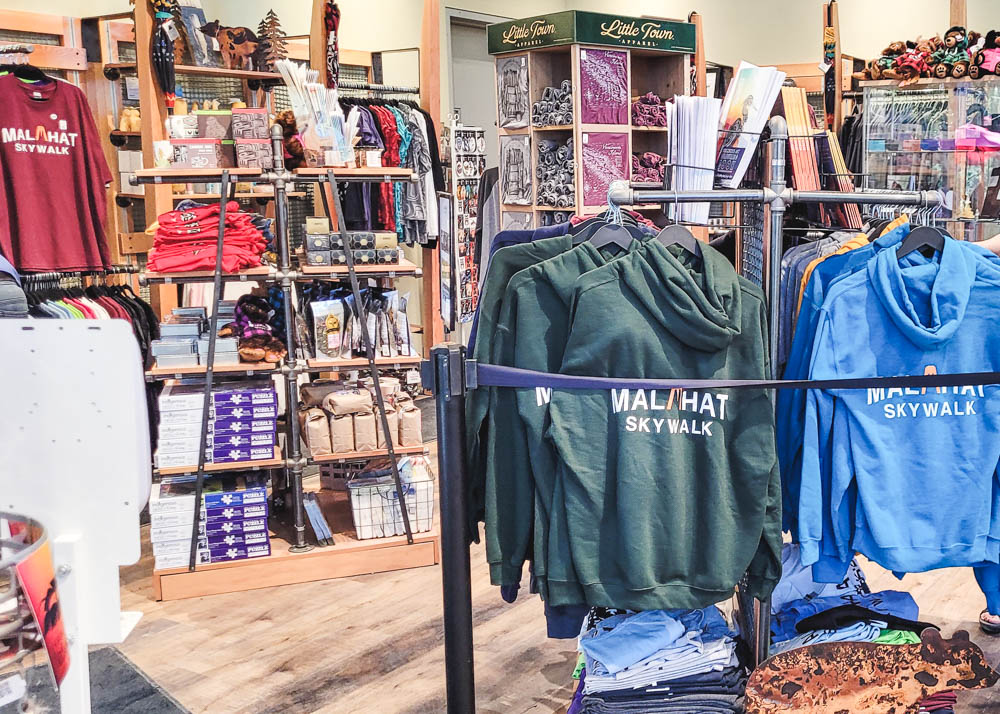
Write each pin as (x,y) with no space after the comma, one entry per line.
(531,333)
(503,265)
(667,497)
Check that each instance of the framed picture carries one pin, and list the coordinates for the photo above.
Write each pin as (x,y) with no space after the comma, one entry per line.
(203,49)
(447,258)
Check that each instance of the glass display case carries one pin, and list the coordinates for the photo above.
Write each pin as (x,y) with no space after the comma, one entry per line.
(936,134)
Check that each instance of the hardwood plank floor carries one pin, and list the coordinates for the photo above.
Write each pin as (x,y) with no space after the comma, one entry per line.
(374,643)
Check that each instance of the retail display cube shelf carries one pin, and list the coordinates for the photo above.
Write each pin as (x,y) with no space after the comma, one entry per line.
(348,557)
(258,274)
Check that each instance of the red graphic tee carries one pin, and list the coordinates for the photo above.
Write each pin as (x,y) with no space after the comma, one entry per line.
(53,179)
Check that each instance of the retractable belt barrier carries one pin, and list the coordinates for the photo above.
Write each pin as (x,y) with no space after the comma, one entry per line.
(491,375)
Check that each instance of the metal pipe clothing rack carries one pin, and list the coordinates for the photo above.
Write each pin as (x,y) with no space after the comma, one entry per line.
(449,375)
(285,276)
(377,88)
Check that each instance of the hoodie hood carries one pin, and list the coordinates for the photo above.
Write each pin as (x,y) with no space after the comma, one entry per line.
(927,299)
(695,299)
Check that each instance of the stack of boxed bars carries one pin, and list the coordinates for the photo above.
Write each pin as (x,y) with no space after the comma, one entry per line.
(242,423)
(221,139)
(342,417)
(368,248)
(232,523)
(184,338)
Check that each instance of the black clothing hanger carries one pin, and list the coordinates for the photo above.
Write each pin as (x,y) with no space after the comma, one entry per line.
(877,227)
(924,239)
(29,73)
(677,234)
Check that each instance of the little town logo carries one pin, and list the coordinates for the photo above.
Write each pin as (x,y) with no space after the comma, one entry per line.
(631,30)
(524,33)
(41,140)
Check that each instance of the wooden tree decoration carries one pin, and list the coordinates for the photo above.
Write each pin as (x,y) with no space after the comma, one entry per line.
(272,38)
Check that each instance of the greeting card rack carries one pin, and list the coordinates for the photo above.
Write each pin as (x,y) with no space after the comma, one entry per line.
(292,558)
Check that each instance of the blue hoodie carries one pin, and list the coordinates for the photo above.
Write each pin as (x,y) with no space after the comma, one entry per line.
(905,476)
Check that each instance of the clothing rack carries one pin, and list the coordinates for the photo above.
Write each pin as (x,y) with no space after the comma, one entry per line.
(378,88)
(449,375)
(61,274)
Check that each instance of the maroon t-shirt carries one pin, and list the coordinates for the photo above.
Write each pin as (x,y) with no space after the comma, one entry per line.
(53,179)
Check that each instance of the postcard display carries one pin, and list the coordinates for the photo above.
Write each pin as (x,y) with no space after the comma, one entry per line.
(566,86)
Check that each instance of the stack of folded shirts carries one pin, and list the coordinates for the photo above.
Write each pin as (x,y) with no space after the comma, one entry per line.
(554,218)
(648,167)
(648,110)
(556,173)
(889,617)
(939,703)
(660,661)
(555,107)
(186,238)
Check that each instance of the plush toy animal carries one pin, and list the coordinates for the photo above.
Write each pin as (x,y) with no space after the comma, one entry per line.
(236,44)
(295,154)
(951,59)
(912,64)
(883,67)
(986,59)
(865,677)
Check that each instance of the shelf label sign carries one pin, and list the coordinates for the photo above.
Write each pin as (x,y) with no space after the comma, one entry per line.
(591,28)
(531,33)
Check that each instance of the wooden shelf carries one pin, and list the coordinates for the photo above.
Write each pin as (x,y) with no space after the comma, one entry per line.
(403,267)
(571,209)
(116,132)
(361,362)
(258,274)
(650,128)
(362,455)
(554,127)
(275,463)
(218,369)
(924,81)
(205,173)
(207,71)
(348,557)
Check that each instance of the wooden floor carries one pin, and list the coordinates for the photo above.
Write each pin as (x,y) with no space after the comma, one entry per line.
(374,643)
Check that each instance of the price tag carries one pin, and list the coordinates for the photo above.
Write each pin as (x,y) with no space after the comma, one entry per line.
(215,43)
(132,87)
(12,689)
(413,376)
(824,67)
(172,33)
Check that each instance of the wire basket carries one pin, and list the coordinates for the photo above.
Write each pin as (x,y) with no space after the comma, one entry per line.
(376,512)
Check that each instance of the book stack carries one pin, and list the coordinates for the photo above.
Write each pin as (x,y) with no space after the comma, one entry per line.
(242,423)
(232,523)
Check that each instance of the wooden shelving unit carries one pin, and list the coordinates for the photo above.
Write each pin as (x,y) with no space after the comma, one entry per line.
(340,365)
(314,272)
(247,368)
(347,557)
(363,455)
(258,274)
(664,71)
(276,463)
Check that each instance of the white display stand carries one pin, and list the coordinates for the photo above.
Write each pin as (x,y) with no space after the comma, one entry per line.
(75,456)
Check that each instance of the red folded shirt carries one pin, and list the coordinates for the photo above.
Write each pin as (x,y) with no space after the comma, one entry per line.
(202,258)
(193,215)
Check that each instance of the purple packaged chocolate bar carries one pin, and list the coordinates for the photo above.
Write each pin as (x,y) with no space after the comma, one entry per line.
(223,553)
(235,513)
(245,413)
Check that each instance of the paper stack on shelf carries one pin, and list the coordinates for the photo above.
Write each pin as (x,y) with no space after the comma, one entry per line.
(747,106)
(692,151)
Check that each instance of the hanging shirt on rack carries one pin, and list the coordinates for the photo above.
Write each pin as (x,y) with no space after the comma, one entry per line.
(53,179)
(920,464)
(667,499)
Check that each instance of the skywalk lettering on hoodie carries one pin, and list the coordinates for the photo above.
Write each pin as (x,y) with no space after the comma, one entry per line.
(653,518)
(905,476)
(694,412)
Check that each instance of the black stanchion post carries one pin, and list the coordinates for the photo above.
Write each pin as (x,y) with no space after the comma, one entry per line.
(445,376)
